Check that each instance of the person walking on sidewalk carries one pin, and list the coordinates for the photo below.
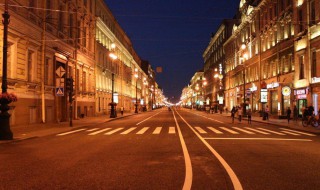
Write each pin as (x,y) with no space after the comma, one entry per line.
(267,112)
(239,114)
(122,109)
(249,113)
(288,113)
(233,112)
(295,113)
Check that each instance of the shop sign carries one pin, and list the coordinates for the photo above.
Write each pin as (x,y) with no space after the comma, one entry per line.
(264,96)
(272,85)
(301,96)
(254,88)
(300,92)
(286,91)
(315,79)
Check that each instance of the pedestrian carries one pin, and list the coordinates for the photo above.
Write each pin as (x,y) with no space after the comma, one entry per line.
(295,113)
(233,112)
(239,114)
(267,112)
(288,113)
(122,109)
(249,113)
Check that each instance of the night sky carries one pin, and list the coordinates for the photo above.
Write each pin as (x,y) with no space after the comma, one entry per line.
(172,34)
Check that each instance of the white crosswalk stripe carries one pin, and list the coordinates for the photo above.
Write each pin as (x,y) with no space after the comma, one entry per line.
(113,131)
(157,131)
(200,130)
(274,132)
(172,130)
(94,129)
(128,131)
(100,131)
(243,130)
(70,132)
(303,133)
(215,130)
(143,130)
(229,130)
(255,130)
(291,133)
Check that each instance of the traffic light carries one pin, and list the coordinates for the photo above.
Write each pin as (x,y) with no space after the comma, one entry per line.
(68,84)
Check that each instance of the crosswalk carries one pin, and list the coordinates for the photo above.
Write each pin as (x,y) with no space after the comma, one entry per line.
(209,130)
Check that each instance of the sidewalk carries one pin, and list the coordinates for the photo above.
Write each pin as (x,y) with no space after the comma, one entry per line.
(297,125)
(30,131)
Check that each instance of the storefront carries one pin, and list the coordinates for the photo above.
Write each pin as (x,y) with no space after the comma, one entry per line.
(301,98)
(286,99)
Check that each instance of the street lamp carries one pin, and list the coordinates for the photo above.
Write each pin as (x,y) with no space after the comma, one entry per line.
(136,76)
(113,113)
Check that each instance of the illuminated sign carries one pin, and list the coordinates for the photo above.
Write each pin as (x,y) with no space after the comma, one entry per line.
(302,96)
(273,85)
(286,91)
(115,98)
(264,96)
(315,79)
(301,91)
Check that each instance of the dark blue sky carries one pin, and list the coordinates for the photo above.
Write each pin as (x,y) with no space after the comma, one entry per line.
(172,34)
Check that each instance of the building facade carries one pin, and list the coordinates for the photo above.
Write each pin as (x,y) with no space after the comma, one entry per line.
(50,41)
(271,57)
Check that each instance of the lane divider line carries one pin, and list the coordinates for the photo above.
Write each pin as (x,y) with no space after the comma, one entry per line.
(148,118)
(234,179)
(187,160)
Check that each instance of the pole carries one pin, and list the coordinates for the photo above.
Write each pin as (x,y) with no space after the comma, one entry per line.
(136,106)
(112,112)
(244,90)
(5,132)
(43,100)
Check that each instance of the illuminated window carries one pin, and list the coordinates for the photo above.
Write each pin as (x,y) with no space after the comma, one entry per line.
(301,67)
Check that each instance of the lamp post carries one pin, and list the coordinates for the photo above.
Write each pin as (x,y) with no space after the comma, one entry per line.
(204,85)
(5,132)
(136,76)
(113,113)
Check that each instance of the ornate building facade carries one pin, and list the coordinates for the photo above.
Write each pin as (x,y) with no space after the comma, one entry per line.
(271,57)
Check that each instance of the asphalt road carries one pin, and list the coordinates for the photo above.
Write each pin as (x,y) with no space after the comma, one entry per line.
(165,150)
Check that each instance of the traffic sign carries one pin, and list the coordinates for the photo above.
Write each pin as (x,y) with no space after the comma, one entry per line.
(60,91)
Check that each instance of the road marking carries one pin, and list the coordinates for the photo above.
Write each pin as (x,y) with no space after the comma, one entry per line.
(172,130)
(235,181)
(90,130)
(215,130)
(200,130)
(188,177)
(100,131)
(273,139)
(128,131)
(229,130)
(255,130)
(291,133)
(113,131)
(243,130)
(309,134)
(271,131)
(70,132)
(143,130)
(148,118)
(157,131)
